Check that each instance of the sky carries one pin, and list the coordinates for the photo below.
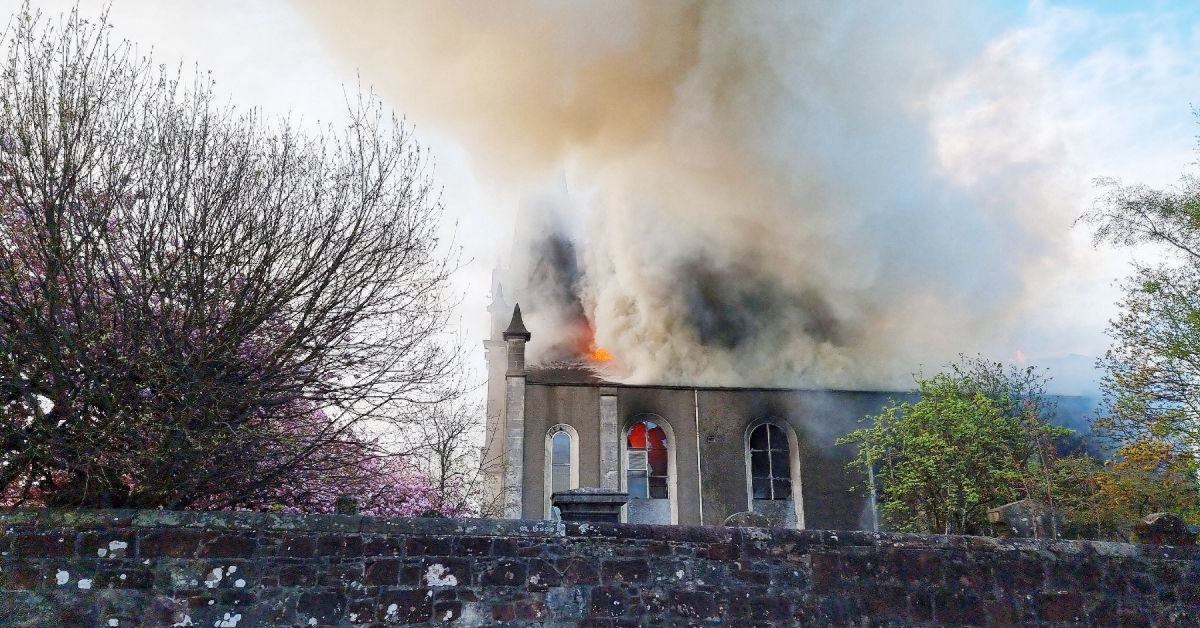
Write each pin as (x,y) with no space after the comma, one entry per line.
(983,123)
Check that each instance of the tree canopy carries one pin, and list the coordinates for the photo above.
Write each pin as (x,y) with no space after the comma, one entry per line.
(1151,385)
(977,438)
(199,308)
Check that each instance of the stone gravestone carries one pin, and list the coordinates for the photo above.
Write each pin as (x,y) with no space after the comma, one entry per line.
(597,505)
(1027,518)
(1164,528)
(748,520)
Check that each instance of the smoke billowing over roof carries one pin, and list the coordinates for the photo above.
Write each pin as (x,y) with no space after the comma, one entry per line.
(754,193)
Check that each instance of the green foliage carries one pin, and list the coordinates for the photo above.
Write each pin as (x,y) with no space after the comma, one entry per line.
(1153,367)
(1152,382)
(1141,477)
(976,439)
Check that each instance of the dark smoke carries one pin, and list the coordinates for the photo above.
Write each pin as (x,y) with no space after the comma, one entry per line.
(554,287)
(739,308)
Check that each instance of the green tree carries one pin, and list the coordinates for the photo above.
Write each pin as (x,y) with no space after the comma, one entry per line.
(1153,367)
(978,437)
(1152,383)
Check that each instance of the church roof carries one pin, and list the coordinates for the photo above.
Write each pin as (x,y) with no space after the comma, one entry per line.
(564,373)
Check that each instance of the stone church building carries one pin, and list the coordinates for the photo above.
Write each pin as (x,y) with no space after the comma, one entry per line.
(687,455)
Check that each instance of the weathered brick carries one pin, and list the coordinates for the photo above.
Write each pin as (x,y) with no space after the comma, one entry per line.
(404,606)
(382,572)
(576,570)
(508,548)
(746,571)
(324,606)
(955,606)
(608,602)
(383,546)
(887,602)
(43,545)
(542,576)
(625,571)
(123,577)
(108,545)
(235,598)
(429,546)
(692,604)
(339,574)
(169,543)
(444,572)
(826,572)
(297,575)
(504,572)
(531,609)
(504,612)
(340,545)
(162,610)
(361,611)
(720,551)
(1060,606)
(447,612)
(228,546)
(297,547)
(293,570)
(473,546)
(20,575)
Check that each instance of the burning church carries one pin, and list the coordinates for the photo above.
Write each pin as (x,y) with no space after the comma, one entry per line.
(689,455)
(686,454)
(724,421)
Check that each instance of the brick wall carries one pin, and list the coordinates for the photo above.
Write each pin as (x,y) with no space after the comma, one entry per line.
(154,568)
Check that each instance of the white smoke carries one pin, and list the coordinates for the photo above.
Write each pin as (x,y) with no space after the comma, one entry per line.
(775,193)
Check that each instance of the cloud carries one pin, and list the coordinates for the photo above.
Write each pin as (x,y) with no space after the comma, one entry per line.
(791,193)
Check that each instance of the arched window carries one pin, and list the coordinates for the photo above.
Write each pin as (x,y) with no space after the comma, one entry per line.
(647,475)
(770,463)
(648,456)
(773,473)
(562,462)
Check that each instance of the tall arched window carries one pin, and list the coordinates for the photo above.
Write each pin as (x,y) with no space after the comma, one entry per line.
(647,455)
(562,462)
(770,463)
(773,473)
(649,474)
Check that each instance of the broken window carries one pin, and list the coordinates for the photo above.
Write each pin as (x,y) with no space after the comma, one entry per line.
(646,461)
(770,464)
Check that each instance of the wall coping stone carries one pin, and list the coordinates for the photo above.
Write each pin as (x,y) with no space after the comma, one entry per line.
(530,528)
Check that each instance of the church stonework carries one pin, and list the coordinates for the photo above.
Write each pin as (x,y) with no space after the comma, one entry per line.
(687,455)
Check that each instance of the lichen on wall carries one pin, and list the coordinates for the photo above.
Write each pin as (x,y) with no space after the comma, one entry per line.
(130,568)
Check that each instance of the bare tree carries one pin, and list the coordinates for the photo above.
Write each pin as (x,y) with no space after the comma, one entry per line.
(445,446)
(198,308)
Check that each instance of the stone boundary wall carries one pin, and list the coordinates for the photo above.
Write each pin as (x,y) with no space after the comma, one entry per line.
(242,570)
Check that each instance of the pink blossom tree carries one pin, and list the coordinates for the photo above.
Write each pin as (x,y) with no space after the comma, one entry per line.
(199,309)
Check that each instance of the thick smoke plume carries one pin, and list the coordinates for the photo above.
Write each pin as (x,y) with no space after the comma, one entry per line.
(766,196)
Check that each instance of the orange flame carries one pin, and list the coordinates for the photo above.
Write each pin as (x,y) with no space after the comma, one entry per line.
(587,345)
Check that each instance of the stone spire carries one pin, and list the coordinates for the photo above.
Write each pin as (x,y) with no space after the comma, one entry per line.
(499,310)
(516,328)
(514,415)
